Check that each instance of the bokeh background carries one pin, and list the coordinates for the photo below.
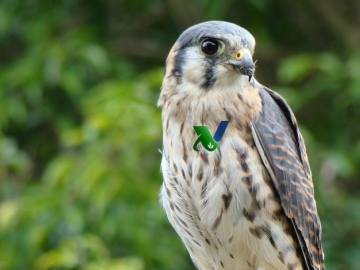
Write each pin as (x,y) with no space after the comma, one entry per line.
(80,131)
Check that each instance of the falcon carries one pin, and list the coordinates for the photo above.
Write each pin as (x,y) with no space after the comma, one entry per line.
(249,204)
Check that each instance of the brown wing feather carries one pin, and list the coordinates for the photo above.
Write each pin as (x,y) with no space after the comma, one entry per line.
(282,149)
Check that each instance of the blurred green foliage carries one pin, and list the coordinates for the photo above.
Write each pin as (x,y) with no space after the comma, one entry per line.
(80,132)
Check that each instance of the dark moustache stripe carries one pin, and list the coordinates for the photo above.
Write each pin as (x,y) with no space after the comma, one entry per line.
(209,78)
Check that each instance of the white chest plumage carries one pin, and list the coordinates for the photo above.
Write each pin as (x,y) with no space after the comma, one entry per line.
(222,203)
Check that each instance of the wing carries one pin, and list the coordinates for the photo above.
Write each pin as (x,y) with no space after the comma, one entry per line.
(281,147)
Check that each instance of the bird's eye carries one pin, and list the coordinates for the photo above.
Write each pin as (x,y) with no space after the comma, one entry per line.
(210,46)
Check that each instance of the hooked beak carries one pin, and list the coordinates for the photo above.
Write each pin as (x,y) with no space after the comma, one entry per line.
(243,63)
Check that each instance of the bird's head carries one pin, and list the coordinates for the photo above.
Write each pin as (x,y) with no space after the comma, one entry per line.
(212,54)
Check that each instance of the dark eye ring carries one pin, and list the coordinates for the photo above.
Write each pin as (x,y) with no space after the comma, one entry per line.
(210,46)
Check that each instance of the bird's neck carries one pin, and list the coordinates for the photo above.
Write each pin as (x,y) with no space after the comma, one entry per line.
(240,104)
